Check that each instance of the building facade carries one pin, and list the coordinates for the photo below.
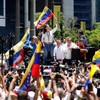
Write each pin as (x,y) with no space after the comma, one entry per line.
(98,10)
(8,14)
(2,13)
(84,10)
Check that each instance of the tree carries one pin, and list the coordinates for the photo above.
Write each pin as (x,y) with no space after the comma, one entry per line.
(94,36)
(68,29)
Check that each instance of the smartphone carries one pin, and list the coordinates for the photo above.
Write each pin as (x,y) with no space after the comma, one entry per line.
(79,87)
(90,88)
(57,68)
(58,76)
(77,71)
(98,92)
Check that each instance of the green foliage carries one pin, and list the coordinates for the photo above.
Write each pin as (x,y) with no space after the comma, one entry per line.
(93,37)
(37,15)
(68,29)
(97,25)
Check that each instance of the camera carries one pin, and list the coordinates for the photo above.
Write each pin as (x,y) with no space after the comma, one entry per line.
(58,76)
(57,67)
(70,70)
(47,77)
(77,70)
(79,87)
(28,52)
(90,88)
(96,75)
(21,70)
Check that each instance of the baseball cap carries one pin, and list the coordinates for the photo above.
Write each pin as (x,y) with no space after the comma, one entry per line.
(31,95)
(34,37)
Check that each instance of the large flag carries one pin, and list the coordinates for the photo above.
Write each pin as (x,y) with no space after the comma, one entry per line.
(96,58)
(96,55)
(45,16)
(18,56)
(36,65)
(25,82)
(94,68)
(17,48)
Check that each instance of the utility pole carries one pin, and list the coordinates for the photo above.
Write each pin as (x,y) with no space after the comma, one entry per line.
(26,3)
(46,2)
(32,18)
(17,28)
(52,11)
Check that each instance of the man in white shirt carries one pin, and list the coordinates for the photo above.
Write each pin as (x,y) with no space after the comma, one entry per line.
(67,50)
(58,52)
(47,40)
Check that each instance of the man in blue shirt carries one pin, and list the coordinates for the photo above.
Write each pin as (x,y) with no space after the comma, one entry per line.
(81,36)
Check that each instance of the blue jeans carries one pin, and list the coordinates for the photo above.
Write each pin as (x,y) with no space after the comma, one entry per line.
(48,48)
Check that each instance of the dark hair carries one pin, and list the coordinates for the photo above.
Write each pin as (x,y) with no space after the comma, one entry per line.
(81,32)
(45,28)
(22,95)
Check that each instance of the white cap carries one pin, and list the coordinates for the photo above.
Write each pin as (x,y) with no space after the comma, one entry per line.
(16,88)
(31,95)
(34,37)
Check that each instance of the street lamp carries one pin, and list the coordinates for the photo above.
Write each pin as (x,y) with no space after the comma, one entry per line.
(46,2)
(2,41)
(32,17)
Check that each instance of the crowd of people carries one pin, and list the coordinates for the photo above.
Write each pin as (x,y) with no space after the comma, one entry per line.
(55,82)
(64,79)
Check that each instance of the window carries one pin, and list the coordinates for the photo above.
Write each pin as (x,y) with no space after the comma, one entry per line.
(1,7)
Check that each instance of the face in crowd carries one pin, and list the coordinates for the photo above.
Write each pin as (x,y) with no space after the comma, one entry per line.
(47,28)
(34,40)
(69,40)
(58,43)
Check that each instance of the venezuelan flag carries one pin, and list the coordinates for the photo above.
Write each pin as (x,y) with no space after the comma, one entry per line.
(94,68)
(96,58)
(25,82)
(96,55)
(45,16)
(36,65)
(18,47)
(18,57)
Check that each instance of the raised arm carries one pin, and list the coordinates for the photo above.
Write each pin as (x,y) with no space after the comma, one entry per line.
(37,90)
(11,87)
(2,82)
(66,81)
(55,29)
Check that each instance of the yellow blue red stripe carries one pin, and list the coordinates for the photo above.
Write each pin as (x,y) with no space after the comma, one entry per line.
(45,16)
(27,72)
(18,46)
